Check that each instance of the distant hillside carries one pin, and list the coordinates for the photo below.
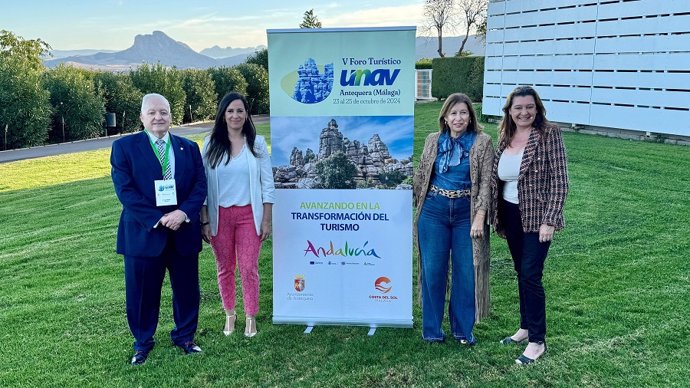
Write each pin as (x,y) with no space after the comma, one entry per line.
(219,52)
(427,46)
(154,48)
(158,47)
(74,53)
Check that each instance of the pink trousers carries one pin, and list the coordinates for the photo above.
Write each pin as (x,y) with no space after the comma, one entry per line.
(237,243)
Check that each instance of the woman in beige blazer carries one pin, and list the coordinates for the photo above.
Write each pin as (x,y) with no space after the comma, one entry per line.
(452,193)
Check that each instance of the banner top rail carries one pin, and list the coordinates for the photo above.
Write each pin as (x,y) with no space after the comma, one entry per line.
(340,29)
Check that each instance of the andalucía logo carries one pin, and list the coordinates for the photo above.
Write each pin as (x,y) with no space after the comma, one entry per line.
(383,285)
(299,283)
(346,250)
(310,84)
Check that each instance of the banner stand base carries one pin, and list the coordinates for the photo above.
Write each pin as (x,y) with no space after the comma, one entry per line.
(372,331)
(308,329)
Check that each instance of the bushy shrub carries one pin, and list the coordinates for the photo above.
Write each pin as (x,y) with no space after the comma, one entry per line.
(458,74)
(424,63)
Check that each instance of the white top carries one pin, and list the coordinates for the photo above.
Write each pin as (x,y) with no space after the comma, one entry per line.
(508,172)
(233,179)
(261,186)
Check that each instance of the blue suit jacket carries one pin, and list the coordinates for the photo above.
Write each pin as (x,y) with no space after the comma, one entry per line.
(134,168)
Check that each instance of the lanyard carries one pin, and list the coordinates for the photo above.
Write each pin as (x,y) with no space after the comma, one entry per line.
(164,160)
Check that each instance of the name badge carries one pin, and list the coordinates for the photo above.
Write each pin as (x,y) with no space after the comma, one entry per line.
(166,194)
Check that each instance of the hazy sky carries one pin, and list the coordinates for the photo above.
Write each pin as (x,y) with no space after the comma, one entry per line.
(112,24)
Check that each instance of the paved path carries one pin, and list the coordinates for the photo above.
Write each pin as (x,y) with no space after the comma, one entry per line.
(98,143)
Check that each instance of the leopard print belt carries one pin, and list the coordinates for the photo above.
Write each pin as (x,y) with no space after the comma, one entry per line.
(450,193)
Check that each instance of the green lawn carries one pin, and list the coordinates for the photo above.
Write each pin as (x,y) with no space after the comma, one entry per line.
(617,281)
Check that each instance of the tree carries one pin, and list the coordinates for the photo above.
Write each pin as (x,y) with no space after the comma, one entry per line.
(472,12)
(257,86)
(24,103)
(121,98)
(165,81)
(439,15)
(260,58)
(75,100)
(310,20)
(29,51)
(201,95)
(391,178)
(336,172)
(481,29)
(227,79)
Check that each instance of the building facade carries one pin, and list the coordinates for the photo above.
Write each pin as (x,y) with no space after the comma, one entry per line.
(620,64)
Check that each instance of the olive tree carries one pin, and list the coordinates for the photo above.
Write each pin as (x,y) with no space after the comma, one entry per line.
(121,98)
(24,103)
(201,95)
(227,79)
(166,81)
(77,106)
(257,86)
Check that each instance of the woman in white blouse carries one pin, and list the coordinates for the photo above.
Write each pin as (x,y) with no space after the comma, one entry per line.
(237,214)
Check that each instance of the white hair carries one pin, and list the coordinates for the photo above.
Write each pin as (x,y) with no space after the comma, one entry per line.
(147,97)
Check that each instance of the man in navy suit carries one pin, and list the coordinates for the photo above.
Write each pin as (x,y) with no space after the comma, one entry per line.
(159,179)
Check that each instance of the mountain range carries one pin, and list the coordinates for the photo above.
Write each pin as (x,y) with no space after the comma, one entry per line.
(159,47)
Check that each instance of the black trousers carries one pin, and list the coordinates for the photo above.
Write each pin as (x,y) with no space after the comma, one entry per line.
(143,282)
(528,257)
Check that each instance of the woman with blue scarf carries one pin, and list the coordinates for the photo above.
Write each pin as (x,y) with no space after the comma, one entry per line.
(452,194)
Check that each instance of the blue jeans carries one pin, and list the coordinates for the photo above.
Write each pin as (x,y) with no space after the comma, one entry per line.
(444,232)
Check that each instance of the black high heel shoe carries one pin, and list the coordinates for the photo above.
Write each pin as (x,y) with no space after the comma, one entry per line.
(524,360)
(510,341)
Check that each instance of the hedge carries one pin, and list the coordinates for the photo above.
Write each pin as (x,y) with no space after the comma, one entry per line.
(458,74)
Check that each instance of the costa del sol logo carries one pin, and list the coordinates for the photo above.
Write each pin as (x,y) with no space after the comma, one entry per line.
(310,83)
(299,283)
(383,285)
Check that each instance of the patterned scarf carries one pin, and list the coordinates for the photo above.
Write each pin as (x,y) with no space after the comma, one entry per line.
(448,146)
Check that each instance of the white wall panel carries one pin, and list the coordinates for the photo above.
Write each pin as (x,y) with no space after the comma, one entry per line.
(627,62)
(639,97)
(634,44)
(492,105)
(648,61)
(659,25)
(564,93)
(653,120)
(568,112)
(492,90)
(643,80)
(492,76)
(642,8)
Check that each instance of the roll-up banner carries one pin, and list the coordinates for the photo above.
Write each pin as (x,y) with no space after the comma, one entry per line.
(342,123)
